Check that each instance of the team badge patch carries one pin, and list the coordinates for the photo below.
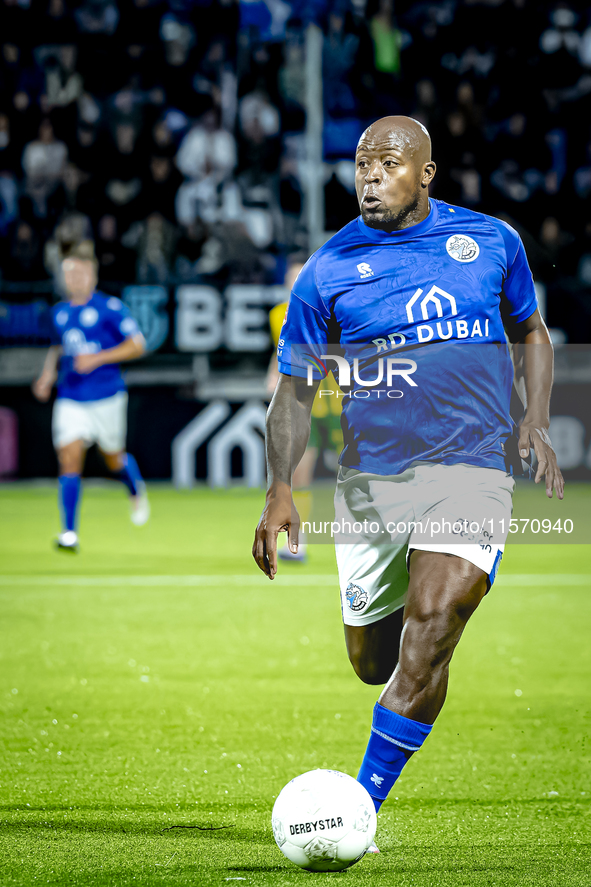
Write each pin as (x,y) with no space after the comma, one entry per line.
(462,248)
(357,597)
(128,326)
(89,316)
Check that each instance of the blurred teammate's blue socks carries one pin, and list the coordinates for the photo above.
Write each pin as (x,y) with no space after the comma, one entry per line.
(69,488)
(392,741)
(130,475)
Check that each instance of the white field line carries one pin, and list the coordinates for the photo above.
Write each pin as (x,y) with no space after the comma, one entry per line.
(515,580)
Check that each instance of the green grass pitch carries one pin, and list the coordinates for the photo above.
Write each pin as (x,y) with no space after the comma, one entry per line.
(138,719)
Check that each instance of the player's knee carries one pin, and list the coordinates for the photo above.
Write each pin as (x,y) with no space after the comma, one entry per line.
(371,671)
(114,462)
(430,637)
(445,608)
(69,464)
(426,615)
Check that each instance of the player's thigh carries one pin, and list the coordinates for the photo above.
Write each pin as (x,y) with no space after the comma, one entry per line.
(373,582)
(373,515)
(109,420)
(443,590)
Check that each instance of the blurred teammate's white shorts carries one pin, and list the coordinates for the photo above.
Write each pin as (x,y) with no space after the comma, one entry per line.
(103,422)
(460,509)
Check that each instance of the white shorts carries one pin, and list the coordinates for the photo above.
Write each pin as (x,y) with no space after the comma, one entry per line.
(103,422)
(460,509)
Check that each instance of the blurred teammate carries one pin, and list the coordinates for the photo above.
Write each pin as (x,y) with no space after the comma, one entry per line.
(418,296)
(325,427)
(97,333)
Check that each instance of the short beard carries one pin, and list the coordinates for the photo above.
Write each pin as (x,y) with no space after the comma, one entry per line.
(394,220)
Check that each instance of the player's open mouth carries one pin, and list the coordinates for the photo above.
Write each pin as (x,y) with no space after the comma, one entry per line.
(370,202)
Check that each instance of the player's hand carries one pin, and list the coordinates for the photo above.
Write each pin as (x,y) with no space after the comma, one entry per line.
(86,363)
(42,386)
(279,515)
(538,438)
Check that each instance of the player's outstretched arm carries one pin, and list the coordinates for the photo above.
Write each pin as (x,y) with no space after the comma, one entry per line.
(534,353)
(130,349)
(288,430)
(42,386)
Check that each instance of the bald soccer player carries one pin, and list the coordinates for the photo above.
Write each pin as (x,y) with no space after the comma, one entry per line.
(410,303)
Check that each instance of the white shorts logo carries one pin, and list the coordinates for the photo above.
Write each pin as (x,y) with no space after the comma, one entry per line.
(88,317)
(357,597)
(462,248)
(364,270)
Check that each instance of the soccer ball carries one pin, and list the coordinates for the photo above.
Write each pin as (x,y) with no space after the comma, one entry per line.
(324,821)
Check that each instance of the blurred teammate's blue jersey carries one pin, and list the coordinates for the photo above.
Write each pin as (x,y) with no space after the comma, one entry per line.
(429,295)
(103,322)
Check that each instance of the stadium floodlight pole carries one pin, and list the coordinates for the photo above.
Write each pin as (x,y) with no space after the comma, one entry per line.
(313,178)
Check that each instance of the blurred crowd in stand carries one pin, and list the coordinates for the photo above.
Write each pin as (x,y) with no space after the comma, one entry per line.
(172,131)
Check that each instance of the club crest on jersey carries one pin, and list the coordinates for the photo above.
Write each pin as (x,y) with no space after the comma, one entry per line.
(462,248)
(357,597)
(364,270)
(89,316)
(128,326)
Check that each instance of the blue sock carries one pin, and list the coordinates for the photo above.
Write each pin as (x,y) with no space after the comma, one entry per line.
(130,474)
(69,488)
(392,741)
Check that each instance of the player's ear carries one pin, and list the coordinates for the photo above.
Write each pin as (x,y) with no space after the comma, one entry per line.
(429,170)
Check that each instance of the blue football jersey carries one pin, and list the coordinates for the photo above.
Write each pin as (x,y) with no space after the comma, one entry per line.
(103,322)
(411,320)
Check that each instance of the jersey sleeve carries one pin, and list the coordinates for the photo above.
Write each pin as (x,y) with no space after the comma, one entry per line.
(276,318)
(304,335)
(55,333)
(518,287)
(121,320)
(303,340)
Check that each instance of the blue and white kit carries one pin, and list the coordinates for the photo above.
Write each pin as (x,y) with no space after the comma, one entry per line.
(91,406)
(413,322)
